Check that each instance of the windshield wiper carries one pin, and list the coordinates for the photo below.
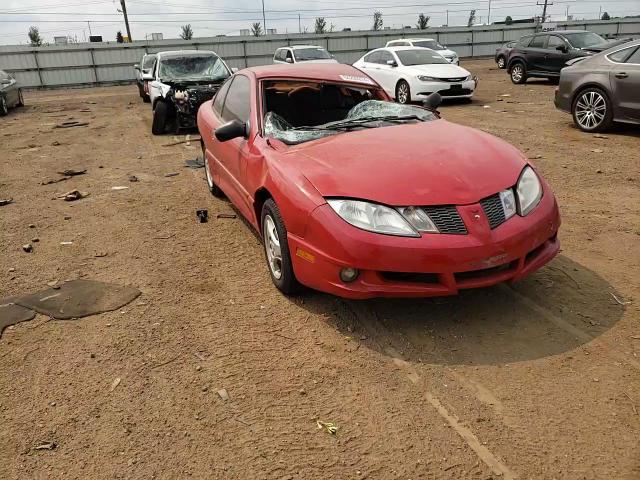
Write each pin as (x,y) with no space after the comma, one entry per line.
(359,122)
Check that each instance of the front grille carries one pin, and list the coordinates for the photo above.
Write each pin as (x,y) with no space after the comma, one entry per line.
(446,218)
(458,79)
(494,211)
(411,277)
(454,92)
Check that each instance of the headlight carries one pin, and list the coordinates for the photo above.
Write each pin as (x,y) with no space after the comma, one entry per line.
(372,217)
(424,78)
(529,191)
(418,219)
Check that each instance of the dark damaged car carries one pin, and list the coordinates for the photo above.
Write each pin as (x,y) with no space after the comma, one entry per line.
(179,83)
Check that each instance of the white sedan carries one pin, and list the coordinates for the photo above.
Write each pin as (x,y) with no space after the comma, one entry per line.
(410,74)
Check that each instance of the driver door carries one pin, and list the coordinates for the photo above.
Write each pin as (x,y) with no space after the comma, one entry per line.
(387,74)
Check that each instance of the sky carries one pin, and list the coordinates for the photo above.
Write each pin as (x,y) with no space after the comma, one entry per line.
(77,19)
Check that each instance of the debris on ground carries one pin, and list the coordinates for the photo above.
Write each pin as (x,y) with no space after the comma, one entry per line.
(55,143)
(599,135)
(5,201)
(100,254)
(597,150)
(330,427)
(187,140)
(73,195)
(119,187)
(133,178)
(618,301)
(35,240)
(27,247)
(222,393)
(55,180)
(115,384)
(72,123)
(505,95)
(194,163)
(72,173)
(171,174)
(46,446)
(226,215)
(66,243)
(203,215)
(11,314)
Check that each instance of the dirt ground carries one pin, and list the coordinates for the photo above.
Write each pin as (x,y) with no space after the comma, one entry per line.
(536,381)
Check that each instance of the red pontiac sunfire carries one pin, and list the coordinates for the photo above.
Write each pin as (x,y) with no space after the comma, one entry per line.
(361,197)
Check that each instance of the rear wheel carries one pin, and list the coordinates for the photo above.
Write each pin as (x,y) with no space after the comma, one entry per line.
(276,247)
(518,73)
(213,188)
(592,111)
(160,115)
(403,92)
(502,63)
(4,108)
(20,98)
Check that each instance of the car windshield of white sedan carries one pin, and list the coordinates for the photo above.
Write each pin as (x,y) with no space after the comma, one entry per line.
(306,54)
(583,40)
(419,57)
(193,67)
(432,44)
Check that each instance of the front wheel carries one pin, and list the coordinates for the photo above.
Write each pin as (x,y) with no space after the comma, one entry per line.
(276,248)
(403,92)
(592,111)
(518,73)
(4,108)
(501,62)
(160,115)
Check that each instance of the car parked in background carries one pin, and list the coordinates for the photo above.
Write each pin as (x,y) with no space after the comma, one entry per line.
(303,54)
(602,89)
(502,53)
(142,68)
(410,74)
(544,54)
(361,197)
(179,83)
(10,93)
(450,55)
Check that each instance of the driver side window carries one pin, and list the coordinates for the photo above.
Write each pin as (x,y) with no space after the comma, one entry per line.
(218,100)
(237,104)
(384,57)
(555,42)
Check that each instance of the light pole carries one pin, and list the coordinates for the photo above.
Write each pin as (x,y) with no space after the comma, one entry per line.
(489,14)
(264,19)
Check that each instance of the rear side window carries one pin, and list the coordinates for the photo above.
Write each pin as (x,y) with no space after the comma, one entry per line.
(525,41)
(635,57)
(218,101)
(237,102)
(372,57)
(625,55)
(539,41)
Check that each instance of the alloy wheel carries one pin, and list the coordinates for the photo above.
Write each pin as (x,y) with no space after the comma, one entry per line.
(272,247)
(501,62)
(516,73)
(591,109)
(403,93)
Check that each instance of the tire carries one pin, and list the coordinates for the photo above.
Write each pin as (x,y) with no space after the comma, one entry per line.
(20,98)
(213,188)
(403,92)
(160,115)
(502,62)
(554,80)
(146,98)
(276,248)
(4,107)
(518,73)
(592,110)
(141,91)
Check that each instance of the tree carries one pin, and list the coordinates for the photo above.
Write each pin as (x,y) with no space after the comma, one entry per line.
(508,20)
(256,29)
(606,16)
(187,32)
(119,37)
(321,25)
(34,37)
(423,21)
(472,18)
(377,20)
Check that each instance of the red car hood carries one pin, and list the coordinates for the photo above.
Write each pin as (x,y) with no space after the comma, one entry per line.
(432,163)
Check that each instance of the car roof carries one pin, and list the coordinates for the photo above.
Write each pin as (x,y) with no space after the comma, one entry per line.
(411,40)
(297,47)
(184,53)
(399,49)
(309,71)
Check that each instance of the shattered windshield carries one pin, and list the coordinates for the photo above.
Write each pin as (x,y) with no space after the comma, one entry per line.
(193,67)
(367,114)
(305,54)
(432,44)
(420,57)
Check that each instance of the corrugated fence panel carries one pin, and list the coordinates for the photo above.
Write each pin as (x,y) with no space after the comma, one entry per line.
(105,63)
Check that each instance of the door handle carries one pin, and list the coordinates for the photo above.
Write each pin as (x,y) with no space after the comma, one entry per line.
(621,75)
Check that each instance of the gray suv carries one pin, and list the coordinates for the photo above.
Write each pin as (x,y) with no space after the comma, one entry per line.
(602,89)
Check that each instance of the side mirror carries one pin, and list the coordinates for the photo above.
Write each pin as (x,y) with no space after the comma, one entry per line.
(433,101)
(562,48)
(289,60)
(136,66)
(231,130)
(392,63)
(147,77)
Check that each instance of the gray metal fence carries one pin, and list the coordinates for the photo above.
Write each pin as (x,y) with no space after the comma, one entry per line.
(109,63)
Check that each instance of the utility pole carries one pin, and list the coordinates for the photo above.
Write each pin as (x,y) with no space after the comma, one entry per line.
(264,19)
(89,23)
(126,19)
(447,18)
(600,13)
(544,9)
(299,25)
(567,13)
(489,14)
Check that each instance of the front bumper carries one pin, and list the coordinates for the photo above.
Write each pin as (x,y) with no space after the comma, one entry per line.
(432,265)
(420,90)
